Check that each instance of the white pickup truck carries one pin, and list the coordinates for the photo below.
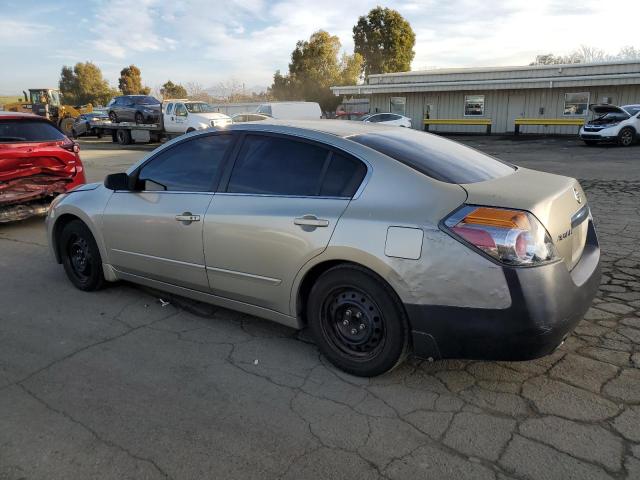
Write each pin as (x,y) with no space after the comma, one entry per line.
(183,116)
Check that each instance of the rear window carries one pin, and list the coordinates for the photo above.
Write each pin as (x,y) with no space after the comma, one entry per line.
(437,157)
(28,131)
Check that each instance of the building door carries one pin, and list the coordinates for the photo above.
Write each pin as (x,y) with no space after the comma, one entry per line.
(515,109)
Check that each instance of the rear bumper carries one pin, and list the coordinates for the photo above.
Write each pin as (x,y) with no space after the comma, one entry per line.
(547,302)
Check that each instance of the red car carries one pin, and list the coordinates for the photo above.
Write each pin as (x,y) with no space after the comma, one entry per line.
(37,162)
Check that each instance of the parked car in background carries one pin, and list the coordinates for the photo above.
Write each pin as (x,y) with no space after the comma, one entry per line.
(134,108)
(612,124)
(378,239)
(291,110)
(248,117)
(387,119)
(82,124)
(350,115)
(183,116)
(37,163)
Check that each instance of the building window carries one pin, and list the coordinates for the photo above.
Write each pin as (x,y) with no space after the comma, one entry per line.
(473,105)
(576,103)
(398,105)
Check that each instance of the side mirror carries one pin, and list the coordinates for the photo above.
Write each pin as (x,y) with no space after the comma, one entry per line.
(118,181)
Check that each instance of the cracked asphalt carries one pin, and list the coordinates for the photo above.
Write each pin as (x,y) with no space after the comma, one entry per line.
(118,385)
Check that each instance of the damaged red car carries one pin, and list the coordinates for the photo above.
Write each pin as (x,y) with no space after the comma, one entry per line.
(37,163)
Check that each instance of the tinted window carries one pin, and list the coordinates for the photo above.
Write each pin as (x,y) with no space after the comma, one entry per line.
(28,131)
(169,108)
(435,156)
(190,166)
(278,166)
(343,177)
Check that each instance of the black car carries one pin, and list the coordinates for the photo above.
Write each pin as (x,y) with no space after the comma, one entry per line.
(135,108)
(82,124)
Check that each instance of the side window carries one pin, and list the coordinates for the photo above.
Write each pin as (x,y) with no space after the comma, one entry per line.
(181,110)
(277,166)
(190,166)
(169,109)
(343,177)
(375,118)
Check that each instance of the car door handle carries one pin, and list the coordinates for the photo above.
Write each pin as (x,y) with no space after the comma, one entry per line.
(311,221)
(188,217)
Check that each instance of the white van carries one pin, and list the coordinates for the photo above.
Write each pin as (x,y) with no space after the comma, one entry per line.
(291,110)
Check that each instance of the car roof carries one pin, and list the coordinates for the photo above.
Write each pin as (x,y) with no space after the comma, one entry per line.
(339,128)
(19,116)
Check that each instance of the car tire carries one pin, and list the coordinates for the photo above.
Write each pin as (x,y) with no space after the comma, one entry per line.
(81,257)
(190,129)
(626,136)
(357,321)
(139,118)
(113,117)
(123,136)
(590,143)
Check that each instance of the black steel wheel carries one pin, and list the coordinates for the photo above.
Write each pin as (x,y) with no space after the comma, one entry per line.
(357,321)
(626,136)
(80,256)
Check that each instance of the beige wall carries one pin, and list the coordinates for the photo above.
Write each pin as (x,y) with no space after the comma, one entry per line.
(503,105)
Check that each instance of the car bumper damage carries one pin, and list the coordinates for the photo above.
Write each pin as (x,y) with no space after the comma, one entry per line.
(547,302)
(29,196)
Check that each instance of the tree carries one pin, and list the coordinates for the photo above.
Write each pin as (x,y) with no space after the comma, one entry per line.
(385,40)
(587,54)
(315,67)
(196,92)
(173,90)
(130,82)
(84,84)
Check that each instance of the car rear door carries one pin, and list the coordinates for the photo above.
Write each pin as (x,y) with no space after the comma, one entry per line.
(280,203)
(156,232)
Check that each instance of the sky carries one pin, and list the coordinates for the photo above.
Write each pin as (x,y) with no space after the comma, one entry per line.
(214,41)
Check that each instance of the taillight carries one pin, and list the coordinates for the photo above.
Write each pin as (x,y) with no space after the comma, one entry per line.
(513,237)
(71,146)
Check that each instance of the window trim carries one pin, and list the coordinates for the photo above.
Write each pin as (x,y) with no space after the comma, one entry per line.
(226,177)
(464,105)
(586,110)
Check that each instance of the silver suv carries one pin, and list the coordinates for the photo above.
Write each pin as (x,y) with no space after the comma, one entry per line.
(380,240)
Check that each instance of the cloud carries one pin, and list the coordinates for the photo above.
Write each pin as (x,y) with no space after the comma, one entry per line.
(20,33)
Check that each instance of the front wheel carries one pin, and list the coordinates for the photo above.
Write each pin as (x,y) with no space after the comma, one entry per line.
(626,136)
(113,117)
(357,321)
(81,257)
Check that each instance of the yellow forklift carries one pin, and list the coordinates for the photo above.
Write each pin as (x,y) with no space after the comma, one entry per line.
(46,103)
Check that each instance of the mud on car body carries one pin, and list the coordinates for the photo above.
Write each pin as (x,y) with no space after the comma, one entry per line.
(37,163)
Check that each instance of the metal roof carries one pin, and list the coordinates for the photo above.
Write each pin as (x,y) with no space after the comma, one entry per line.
(498,78)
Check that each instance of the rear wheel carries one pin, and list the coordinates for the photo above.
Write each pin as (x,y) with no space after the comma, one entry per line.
(357,321)
(123,136)
(626,136)
(80,256)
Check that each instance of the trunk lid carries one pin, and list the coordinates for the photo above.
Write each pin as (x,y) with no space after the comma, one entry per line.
(558,202)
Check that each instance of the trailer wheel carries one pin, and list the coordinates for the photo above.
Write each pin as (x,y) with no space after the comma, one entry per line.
(124,137)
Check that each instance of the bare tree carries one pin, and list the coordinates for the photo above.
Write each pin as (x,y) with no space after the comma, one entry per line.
(195,91)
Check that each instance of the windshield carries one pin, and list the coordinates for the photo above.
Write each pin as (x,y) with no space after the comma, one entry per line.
(199,107)
(631,109)
(435,156)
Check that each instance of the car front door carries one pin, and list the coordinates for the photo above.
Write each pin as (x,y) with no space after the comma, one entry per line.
(181,115)
(169,118)
(279,206)
(155,231)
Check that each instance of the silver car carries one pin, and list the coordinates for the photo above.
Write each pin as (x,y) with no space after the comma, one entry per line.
(380,240)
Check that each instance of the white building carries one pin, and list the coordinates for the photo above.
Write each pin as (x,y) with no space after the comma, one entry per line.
(501,94)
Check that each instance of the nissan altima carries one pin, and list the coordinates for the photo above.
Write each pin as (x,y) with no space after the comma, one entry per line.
(382,241)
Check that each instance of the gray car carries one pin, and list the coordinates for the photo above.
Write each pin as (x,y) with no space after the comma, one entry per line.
(380,240)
